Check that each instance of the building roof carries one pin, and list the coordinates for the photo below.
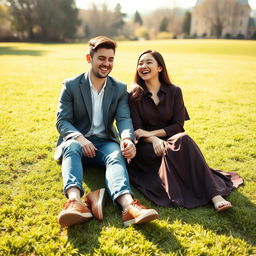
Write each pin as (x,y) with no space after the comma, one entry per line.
(238,1)
(242,1)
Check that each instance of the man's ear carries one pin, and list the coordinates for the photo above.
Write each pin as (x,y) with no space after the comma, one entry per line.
(88,58)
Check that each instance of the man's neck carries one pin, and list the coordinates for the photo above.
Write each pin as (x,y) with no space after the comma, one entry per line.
(97,82)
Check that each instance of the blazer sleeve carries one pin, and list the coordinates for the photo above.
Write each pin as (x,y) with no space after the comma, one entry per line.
(64,121)
(123,118)
(180,115)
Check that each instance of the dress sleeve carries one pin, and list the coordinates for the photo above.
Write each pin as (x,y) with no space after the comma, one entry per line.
(136,119)
(180,115)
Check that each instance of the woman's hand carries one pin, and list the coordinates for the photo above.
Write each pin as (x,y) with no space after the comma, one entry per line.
(159,146)
(139,133)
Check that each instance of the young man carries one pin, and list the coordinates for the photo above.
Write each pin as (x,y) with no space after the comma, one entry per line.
(88,106)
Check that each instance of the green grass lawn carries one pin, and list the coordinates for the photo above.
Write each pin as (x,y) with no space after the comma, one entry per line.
(218,79)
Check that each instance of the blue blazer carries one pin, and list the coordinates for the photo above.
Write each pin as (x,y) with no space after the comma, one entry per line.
(74,116)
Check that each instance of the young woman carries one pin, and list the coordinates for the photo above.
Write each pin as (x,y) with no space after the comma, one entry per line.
(169,168)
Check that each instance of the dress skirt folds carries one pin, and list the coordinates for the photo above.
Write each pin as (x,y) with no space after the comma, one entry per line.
(181,177)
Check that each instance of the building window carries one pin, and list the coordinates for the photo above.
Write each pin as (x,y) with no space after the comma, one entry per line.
(241,23)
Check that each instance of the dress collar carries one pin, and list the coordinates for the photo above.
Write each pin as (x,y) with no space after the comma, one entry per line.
(163,88)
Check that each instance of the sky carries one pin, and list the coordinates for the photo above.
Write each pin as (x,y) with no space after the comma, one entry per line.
(130,6)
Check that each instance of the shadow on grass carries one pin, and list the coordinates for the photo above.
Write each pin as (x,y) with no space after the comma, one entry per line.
(239,221)
(16,51)
(85,237)
(164,238)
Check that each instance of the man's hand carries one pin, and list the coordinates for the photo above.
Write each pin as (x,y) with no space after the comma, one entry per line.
(87,147)
(128,149)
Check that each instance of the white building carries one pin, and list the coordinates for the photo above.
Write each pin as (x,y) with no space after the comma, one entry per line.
(221,18)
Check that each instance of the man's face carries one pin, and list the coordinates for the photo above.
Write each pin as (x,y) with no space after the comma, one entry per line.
(102,62)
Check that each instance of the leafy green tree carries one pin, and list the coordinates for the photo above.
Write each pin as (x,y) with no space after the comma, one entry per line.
(87,31)
(163,25)
(23,17)
(58,22)
(186,23)
(5,23)
(137,19)
(44,19)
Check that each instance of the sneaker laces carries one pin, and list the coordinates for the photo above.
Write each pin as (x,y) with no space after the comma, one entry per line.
(87,202)
(136,203)
(71,202)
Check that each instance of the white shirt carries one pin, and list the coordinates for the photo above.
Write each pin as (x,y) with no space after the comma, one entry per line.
(97,127)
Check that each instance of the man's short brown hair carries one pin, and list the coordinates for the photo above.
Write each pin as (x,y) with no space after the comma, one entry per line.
(101,42)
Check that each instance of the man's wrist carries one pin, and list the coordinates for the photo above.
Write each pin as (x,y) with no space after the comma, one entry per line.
(128,139)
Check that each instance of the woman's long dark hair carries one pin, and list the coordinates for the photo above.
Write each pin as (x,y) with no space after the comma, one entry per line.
(164,78)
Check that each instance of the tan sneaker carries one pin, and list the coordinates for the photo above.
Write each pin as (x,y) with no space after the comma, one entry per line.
(95,200)
(74,212)
(137,213)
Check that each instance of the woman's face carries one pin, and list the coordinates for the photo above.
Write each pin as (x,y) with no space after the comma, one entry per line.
(148,67)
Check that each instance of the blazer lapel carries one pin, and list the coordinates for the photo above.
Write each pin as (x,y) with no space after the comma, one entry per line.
(86,93)
(107,99)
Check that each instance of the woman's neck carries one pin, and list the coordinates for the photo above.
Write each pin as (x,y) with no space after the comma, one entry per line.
(153,86)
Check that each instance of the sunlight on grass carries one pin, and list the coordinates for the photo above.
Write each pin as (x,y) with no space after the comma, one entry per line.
(218,81)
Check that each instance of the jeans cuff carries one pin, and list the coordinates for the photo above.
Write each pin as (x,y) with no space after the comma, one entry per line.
(121,193)
(67,187)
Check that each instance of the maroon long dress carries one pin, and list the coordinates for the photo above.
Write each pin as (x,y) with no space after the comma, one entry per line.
(182,177)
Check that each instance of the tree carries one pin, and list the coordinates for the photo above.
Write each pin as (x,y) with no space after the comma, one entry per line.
(86,31)
(137,19)
(5,23)
(174,18)
(163,25)
(23,17)
(186,23)
(103,21)
(117,21)
(44,19)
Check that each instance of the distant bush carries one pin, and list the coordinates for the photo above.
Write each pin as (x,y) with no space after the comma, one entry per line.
(142,33)
(164,35)
(240,36)
(227,36)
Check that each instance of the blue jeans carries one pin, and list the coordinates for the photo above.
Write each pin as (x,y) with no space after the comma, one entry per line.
(108,155)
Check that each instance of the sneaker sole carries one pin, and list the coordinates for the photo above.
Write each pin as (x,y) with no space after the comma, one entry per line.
(68,217)
(146,217)
(101,203)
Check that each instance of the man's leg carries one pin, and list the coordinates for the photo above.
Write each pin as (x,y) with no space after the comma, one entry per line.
(72,168)
(116,178)
(74,211)
(117,181)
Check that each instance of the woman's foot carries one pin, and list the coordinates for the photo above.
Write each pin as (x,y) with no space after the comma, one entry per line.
(220,204)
